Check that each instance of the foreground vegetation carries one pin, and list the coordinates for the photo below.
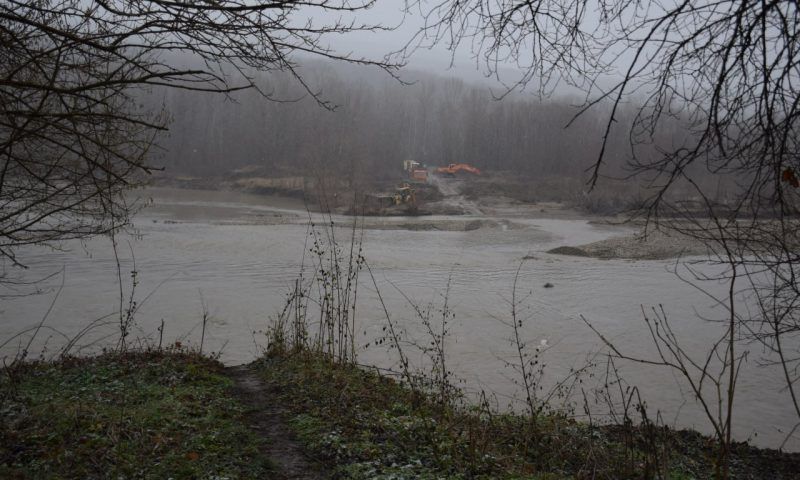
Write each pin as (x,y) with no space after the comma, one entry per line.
(368,426)
(136,415)
(175,415)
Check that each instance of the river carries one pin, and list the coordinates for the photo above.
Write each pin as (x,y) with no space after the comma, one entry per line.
(239,255)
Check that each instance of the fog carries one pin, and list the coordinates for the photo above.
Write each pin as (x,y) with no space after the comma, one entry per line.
(583,214)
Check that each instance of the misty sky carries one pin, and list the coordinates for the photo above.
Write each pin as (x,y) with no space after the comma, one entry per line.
(375,45)
(438,59)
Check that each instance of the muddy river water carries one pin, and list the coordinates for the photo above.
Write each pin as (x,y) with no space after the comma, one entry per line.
(241,254)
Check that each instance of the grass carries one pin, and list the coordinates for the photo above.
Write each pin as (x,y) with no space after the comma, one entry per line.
(362,424)
(174,415)
(138,415)
(368,426)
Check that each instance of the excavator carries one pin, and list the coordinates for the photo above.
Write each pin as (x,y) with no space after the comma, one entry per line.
(454,168)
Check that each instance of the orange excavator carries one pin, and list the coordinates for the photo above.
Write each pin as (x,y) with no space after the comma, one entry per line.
(454,168)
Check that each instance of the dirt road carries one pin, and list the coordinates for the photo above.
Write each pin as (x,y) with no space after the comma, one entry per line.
(454,201)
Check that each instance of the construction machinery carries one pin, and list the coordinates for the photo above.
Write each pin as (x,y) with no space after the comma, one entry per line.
(419,174)
(415,171)
(402,200)
(454,168)
(405,194)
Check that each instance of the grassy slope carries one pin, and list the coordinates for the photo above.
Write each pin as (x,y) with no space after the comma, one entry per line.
(161,415)
(366,426)
(370,427)
(134,416)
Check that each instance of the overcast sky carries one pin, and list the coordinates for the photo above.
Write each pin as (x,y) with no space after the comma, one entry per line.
(439,59)
(375,45)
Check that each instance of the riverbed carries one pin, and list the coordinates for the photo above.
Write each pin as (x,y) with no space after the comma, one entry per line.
(237,256)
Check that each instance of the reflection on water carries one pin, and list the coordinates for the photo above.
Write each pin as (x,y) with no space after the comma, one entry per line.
(242,253)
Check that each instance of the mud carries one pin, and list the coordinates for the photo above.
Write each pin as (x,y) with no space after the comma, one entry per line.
(654,245)
(266,417)
(459,199)
(181,206)
(442,225)
(454,201)
(442,196)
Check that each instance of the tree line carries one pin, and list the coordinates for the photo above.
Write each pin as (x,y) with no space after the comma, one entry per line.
(375,122)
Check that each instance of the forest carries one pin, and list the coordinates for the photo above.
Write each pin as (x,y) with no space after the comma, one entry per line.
(371,122)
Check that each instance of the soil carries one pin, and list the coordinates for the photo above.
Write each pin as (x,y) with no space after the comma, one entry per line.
(655,245)
(266,417)
(445,225)
(453,201)
(494,195)
(747,462)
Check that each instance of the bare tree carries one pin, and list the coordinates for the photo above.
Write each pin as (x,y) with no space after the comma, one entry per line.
(725,70)
(725,73)
(73,132)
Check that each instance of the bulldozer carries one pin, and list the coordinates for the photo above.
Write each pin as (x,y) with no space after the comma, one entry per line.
(452,169)
(405,194)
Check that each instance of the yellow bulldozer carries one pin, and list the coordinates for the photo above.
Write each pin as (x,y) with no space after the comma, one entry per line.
(405,194)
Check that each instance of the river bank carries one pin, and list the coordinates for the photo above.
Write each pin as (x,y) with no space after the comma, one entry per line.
(236,208)
(439,196)
(158,414)
(199,247)
(366,425)
(651,244)
(174,413)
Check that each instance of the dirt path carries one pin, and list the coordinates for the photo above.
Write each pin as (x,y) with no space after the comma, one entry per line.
(266,417)
(451,189)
